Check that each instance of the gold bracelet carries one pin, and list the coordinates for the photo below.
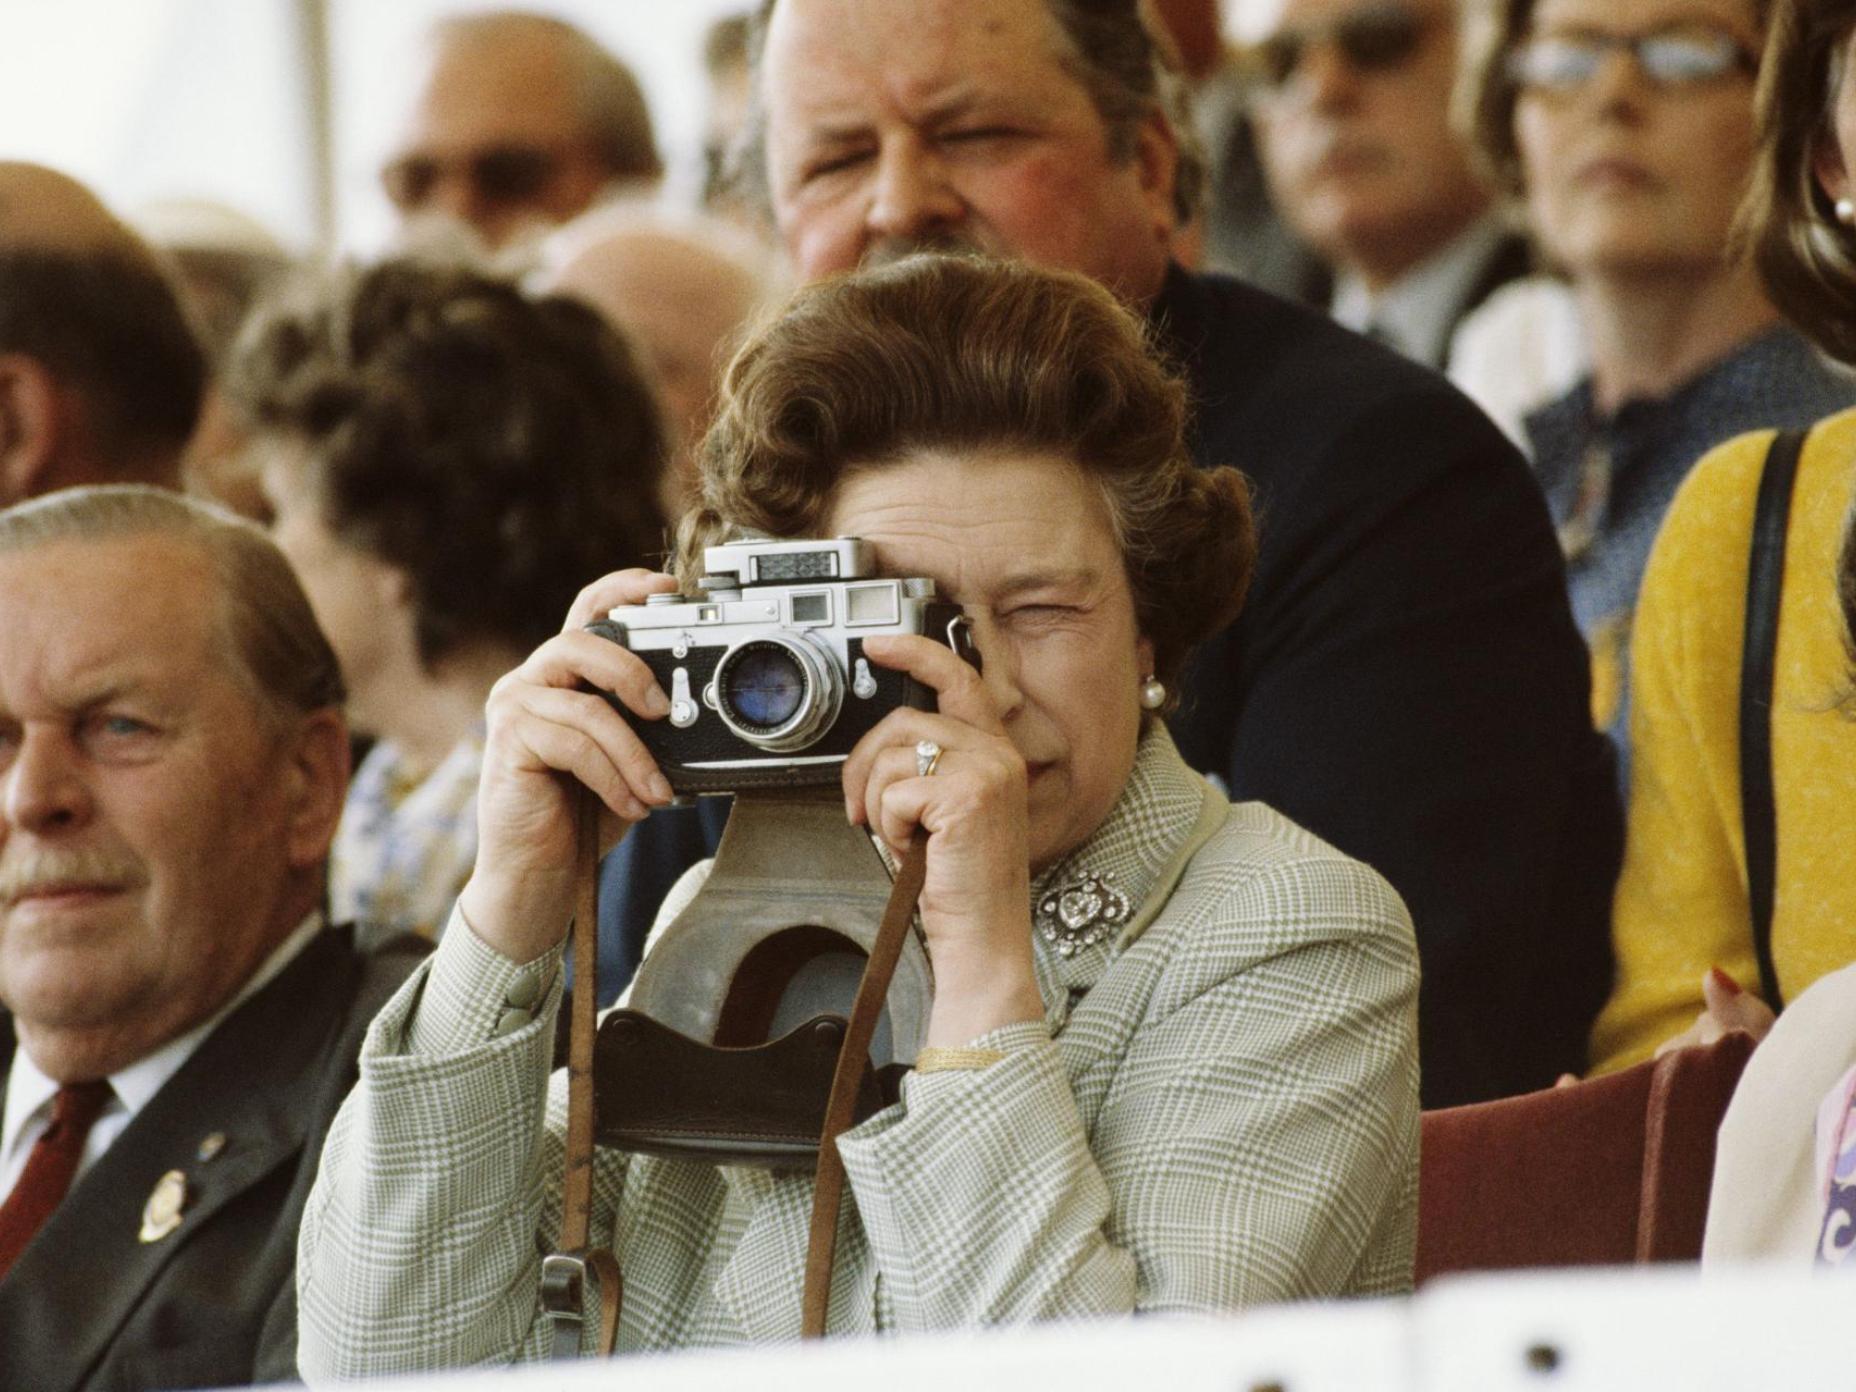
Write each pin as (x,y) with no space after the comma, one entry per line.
(956,1060)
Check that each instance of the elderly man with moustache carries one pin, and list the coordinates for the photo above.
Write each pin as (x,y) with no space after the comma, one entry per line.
(101,378)
(1405,680)
(521,122)
(178,1023)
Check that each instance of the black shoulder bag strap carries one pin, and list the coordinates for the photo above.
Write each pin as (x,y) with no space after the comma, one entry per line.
(1765,587)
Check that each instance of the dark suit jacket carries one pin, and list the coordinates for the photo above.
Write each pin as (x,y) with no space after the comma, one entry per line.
(89,1306)
(1405,679)
(1512,259)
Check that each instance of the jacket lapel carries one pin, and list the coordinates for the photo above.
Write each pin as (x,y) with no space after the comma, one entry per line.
(1133,849)
(251,1086)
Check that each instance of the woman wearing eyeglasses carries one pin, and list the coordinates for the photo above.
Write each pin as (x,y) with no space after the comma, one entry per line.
(1627,126)
(1696,899)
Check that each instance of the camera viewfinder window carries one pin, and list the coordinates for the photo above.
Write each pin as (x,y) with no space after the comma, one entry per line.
(871,604)
(796,565)
(812,608)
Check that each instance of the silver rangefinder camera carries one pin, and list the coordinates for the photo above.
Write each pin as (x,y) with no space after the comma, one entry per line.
(764,662)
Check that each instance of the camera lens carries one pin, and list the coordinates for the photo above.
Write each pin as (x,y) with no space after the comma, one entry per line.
(763,686)
(779,694)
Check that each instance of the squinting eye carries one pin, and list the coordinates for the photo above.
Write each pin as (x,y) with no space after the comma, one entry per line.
(835,164)
(121,727)
(1037,613)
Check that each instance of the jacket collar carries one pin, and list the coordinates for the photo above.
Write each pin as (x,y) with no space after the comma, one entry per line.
(83,1275)
(1179,315)
(26,1089)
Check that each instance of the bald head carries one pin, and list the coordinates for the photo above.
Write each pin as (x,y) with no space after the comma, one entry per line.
(48,211)
(100,374)
(683,294)
(520,119)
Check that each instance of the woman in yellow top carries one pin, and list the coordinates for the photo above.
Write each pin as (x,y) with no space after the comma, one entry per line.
(1682,920)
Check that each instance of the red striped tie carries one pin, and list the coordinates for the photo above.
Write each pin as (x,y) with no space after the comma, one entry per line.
(50,1168)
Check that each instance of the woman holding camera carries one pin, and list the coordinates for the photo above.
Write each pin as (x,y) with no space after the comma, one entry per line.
(1214,1107)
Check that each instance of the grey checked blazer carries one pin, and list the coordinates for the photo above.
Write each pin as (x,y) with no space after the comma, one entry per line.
(1220,1109)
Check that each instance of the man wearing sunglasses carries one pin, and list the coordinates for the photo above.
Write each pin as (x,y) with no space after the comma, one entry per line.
(1352,109)
(521,122)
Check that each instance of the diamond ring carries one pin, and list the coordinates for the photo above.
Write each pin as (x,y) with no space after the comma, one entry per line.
(927,755)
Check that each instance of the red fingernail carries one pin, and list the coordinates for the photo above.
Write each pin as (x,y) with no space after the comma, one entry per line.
(1725,982)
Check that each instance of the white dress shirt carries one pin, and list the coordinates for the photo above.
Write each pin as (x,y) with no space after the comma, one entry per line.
(29,1092)
(1519,349)
(1417,312)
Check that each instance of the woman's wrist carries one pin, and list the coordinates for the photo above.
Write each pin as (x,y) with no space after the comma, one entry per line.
(519,917)
(976,993)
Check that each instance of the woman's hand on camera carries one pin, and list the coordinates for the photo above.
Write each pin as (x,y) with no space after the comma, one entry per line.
(975,903)
(547,737)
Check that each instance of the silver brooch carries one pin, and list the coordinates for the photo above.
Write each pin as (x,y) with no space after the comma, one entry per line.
(1082,913)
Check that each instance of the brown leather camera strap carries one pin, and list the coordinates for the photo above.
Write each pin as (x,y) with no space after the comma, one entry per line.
(853,1059)
(564,1272)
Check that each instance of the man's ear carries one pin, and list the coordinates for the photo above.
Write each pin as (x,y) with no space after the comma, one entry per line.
(1156,162)
(28,426)
(1827,164)
(315,769)
(394,587)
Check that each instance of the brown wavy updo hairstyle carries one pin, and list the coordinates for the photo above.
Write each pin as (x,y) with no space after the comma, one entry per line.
(956,353)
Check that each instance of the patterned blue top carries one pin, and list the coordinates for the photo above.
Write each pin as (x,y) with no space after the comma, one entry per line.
(1609,481)
(406,843)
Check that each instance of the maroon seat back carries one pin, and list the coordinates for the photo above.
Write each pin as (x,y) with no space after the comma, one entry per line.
(1609,1171)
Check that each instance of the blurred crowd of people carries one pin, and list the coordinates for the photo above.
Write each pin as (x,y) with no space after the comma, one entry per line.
(1459,391)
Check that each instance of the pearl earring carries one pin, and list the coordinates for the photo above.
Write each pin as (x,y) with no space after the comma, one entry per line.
(1846,211)
(1153,694)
